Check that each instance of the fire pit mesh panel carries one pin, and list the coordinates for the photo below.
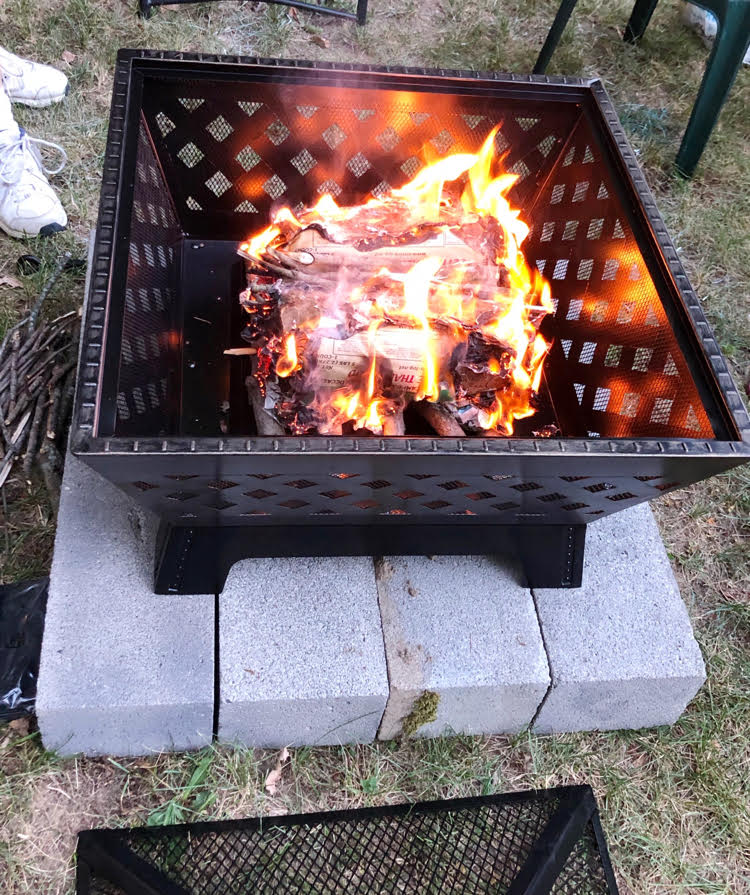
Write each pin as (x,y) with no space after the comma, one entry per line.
(356,496)
(615,348)
(231,155)
(471,846)
(146,395)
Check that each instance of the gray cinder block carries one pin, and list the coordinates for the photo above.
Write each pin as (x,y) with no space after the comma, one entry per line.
(621,649)
(464,629)
(123,671)
(301,653)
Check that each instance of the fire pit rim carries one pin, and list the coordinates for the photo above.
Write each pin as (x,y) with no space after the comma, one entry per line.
(83,440)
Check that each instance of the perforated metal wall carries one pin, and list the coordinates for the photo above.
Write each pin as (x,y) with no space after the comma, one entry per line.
(149,380)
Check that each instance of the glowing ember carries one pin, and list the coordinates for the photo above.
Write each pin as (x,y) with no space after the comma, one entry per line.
(421,295)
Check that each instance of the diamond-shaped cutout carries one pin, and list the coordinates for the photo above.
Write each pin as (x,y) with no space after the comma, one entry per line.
(193,204)
(366,504)
(411,166)
(335,495)
(191,103)
(388,139)
(274,186)
(144,486)
(300,483)
(508,505)
(307,111)
(221,504)
(473,120)
(260,494)
(246,207)
(334,135)
(600,486)
(408,494)
(443,141)
(453,485)
(376,484)
(218,183)
(344,475)
(526,486)
(179,478)
(480,495)
(277,132)
(363,114)
(304,162)
(190,155)
(164,123)
(358,164)
(220,128)
(294,504)
(249,108)
(329,187)
(221,485)
(248,158)
(437,504)
(181,495)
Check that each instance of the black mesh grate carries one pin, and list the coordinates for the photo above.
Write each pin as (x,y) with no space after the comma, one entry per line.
(467,846)
(148,384)
(615,347)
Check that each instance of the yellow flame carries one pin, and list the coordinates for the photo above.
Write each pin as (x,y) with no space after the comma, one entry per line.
(433,290)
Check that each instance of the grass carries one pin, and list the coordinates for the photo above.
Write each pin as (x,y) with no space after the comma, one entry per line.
(675,802)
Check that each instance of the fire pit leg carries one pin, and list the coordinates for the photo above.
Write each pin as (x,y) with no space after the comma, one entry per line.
(551,555)
(197,560)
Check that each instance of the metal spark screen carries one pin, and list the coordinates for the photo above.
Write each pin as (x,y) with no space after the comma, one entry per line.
(201,149)
(532,843)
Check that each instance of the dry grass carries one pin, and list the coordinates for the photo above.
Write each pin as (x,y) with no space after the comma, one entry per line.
(676,802)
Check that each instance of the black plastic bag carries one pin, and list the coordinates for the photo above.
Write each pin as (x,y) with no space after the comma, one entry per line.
(22,608)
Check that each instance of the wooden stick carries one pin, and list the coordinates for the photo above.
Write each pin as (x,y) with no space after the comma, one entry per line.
(393,424)
(240,352)
(441,419)
(265,423)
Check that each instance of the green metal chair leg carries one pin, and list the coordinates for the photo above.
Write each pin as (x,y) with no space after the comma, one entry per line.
(730,46)
(639,19)
(554,35)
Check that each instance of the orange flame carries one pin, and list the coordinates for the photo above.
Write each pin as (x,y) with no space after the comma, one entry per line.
(453,290)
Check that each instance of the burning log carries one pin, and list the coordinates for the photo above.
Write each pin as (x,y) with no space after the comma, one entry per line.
(393,424)
(265,422)
(440,418)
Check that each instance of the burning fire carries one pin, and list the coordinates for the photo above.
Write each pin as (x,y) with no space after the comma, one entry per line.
(422,295)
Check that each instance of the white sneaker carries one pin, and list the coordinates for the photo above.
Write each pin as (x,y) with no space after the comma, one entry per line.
(31,83)
(704,24)
(28,204)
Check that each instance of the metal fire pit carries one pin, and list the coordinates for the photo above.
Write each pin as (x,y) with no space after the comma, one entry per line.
(199,150)
(525,843)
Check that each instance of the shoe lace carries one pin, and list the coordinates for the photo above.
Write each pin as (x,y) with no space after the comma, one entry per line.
(15,156)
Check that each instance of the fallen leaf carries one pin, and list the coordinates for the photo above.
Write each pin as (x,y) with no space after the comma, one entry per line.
(20,725)
(293,14)
(68,57)
(12,282)
(320,41)
(274,776)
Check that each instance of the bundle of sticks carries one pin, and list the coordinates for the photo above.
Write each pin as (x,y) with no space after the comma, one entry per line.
(37,383)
